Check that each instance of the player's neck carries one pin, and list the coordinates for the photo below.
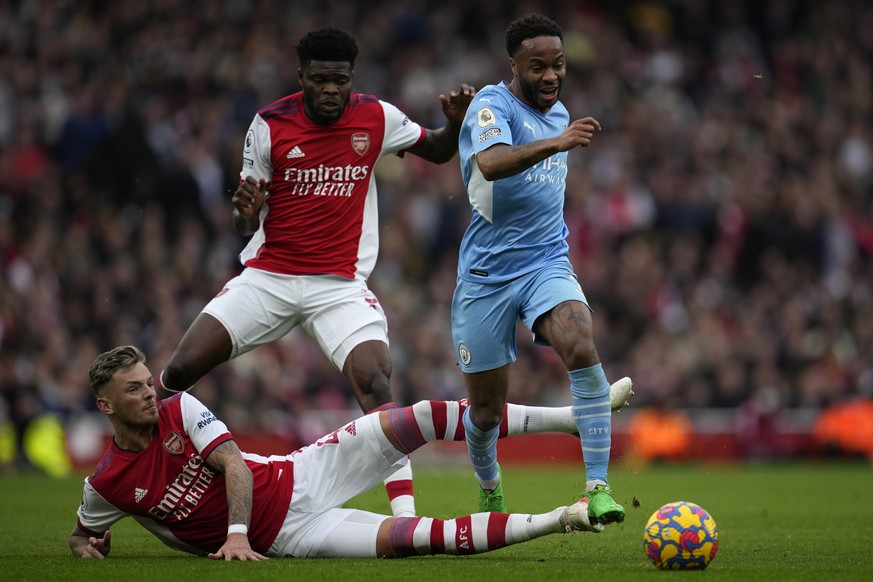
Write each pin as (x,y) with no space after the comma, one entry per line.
(515,89)
(133,440)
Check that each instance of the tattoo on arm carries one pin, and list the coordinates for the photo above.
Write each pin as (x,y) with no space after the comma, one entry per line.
(227,459)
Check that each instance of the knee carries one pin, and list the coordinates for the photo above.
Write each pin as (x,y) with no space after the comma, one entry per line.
(380,386)
(368,370)
(580,354)
(486,415)
(372,390)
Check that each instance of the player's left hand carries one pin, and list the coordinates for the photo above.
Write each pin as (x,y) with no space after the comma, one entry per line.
(455,105)
(237,547)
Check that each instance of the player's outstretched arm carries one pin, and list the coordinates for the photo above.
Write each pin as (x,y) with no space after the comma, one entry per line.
(441,145)
(84,545)
(502,160)
(227,459)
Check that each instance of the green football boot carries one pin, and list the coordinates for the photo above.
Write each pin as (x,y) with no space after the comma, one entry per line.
(602,508)
(493,500)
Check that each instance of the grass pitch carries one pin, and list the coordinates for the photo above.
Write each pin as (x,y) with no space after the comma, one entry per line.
(804,522)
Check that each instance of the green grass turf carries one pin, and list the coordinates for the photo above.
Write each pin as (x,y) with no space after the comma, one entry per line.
(800,522)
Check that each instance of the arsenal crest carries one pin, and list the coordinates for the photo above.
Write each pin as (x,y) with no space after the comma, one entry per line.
(361,143)
(174,443)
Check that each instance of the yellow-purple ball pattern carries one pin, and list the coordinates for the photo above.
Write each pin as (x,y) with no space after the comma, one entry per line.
(681,536)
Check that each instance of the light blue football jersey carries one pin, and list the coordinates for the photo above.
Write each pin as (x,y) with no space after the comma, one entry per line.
(518,222)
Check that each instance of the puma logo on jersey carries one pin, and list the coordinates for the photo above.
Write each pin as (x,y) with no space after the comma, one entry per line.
(295,152)
(531,128)
(139,493)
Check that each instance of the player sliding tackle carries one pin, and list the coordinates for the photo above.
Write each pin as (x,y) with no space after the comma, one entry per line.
(175,468)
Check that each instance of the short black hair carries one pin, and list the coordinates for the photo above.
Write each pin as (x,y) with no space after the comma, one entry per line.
(327,44)
(530,26)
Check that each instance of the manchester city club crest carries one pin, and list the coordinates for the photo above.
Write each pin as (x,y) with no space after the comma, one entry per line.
(464,353)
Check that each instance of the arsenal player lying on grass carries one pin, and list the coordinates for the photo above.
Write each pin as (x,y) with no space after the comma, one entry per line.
(175,468)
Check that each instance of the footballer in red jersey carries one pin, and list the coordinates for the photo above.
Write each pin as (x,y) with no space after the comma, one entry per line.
(175,468)
(307,198)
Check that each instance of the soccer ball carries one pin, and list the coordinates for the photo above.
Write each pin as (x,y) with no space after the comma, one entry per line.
(681,536)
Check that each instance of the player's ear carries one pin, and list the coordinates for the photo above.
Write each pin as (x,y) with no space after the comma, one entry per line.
(104,405)
(513,67)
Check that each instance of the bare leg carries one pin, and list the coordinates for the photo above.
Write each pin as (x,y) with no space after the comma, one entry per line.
(368,369)
(204,346)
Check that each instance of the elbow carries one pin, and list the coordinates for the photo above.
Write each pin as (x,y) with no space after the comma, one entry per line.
(489,166)
(446,157)
(490,176)
(488,172)
(435,155)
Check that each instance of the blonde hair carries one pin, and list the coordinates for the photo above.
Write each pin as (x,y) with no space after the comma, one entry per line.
(104,366)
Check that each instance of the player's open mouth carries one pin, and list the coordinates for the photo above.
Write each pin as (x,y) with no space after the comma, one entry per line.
(549,93)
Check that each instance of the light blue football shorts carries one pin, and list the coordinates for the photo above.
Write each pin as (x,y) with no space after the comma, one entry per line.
(484,315)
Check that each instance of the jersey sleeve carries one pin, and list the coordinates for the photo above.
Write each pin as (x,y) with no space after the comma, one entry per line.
(202,426)
(95,514)
(401,133)
(256,151)
(491,122)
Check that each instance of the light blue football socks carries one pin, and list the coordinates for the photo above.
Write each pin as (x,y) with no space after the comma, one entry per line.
(482,448)
(593,415)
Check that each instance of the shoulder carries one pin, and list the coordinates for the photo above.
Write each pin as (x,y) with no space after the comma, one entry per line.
(103,467)
(173,410)
(357,99)
(499,92)
(170,402)
(363,108)
(286,107)
(493,98)
(363,104)
(188,403)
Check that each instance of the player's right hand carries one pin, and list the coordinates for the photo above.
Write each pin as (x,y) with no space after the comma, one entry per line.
(580,132)
(249,196)
(97,547)
(237,548)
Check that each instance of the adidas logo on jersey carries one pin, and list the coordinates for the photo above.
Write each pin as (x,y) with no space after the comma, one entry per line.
(295,152)
(139,494)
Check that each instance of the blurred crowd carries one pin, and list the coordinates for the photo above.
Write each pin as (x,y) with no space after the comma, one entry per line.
(721,224)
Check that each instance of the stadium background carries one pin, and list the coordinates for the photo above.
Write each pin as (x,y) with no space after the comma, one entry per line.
(722,223)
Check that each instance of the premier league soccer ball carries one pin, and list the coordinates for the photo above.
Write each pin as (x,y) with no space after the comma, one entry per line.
(681,536)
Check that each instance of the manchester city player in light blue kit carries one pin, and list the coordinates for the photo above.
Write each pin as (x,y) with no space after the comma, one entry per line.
(514,259)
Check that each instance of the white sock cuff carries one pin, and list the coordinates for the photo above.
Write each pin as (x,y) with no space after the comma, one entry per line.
(167,388)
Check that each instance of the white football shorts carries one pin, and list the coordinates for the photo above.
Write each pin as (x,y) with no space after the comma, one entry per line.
(347,462)
(258,307)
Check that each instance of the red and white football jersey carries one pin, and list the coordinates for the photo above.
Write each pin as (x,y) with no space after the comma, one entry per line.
(170,490)
(320,214)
